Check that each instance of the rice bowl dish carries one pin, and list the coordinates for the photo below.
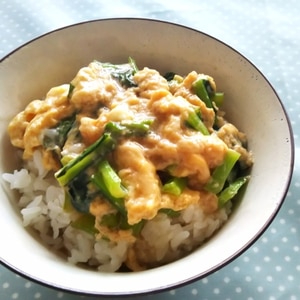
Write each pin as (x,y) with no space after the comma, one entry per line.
(126,169)
(250,103)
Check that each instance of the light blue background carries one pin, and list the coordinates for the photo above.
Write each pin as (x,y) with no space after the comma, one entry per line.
(268,33)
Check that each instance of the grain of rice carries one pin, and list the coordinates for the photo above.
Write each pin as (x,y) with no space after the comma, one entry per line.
(19,179)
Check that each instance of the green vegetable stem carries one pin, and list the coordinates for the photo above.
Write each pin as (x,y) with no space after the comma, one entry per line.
(218,98)
(220,174)
(233,188)
(119,221)
(194,121)
(175,186)
(128,128)
(205,92)
(71,88)
(199,87)
(91,154)
(110,186)
(133,65)
(111,180)
(85,222)
(170,212)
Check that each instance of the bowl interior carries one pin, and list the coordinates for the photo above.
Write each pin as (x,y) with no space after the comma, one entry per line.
(251,104)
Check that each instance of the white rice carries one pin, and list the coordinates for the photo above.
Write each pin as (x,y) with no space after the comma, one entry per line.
(41,205)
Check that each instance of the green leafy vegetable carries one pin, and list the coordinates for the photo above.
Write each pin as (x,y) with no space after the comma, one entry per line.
(55,138)
(124,73)
(169,76)
(80,194)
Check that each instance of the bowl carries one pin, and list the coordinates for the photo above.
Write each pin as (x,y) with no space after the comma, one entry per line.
(54,58)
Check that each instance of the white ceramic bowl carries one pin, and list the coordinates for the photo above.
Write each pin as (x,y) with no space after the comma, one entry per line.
(254,107)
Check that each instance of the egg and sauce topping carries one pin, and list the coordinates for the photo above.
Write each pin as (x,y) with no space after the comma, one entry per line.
(127,144)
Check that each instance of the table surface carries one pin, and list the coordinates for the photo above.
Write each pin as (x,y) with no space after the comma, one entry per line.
(268,33)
